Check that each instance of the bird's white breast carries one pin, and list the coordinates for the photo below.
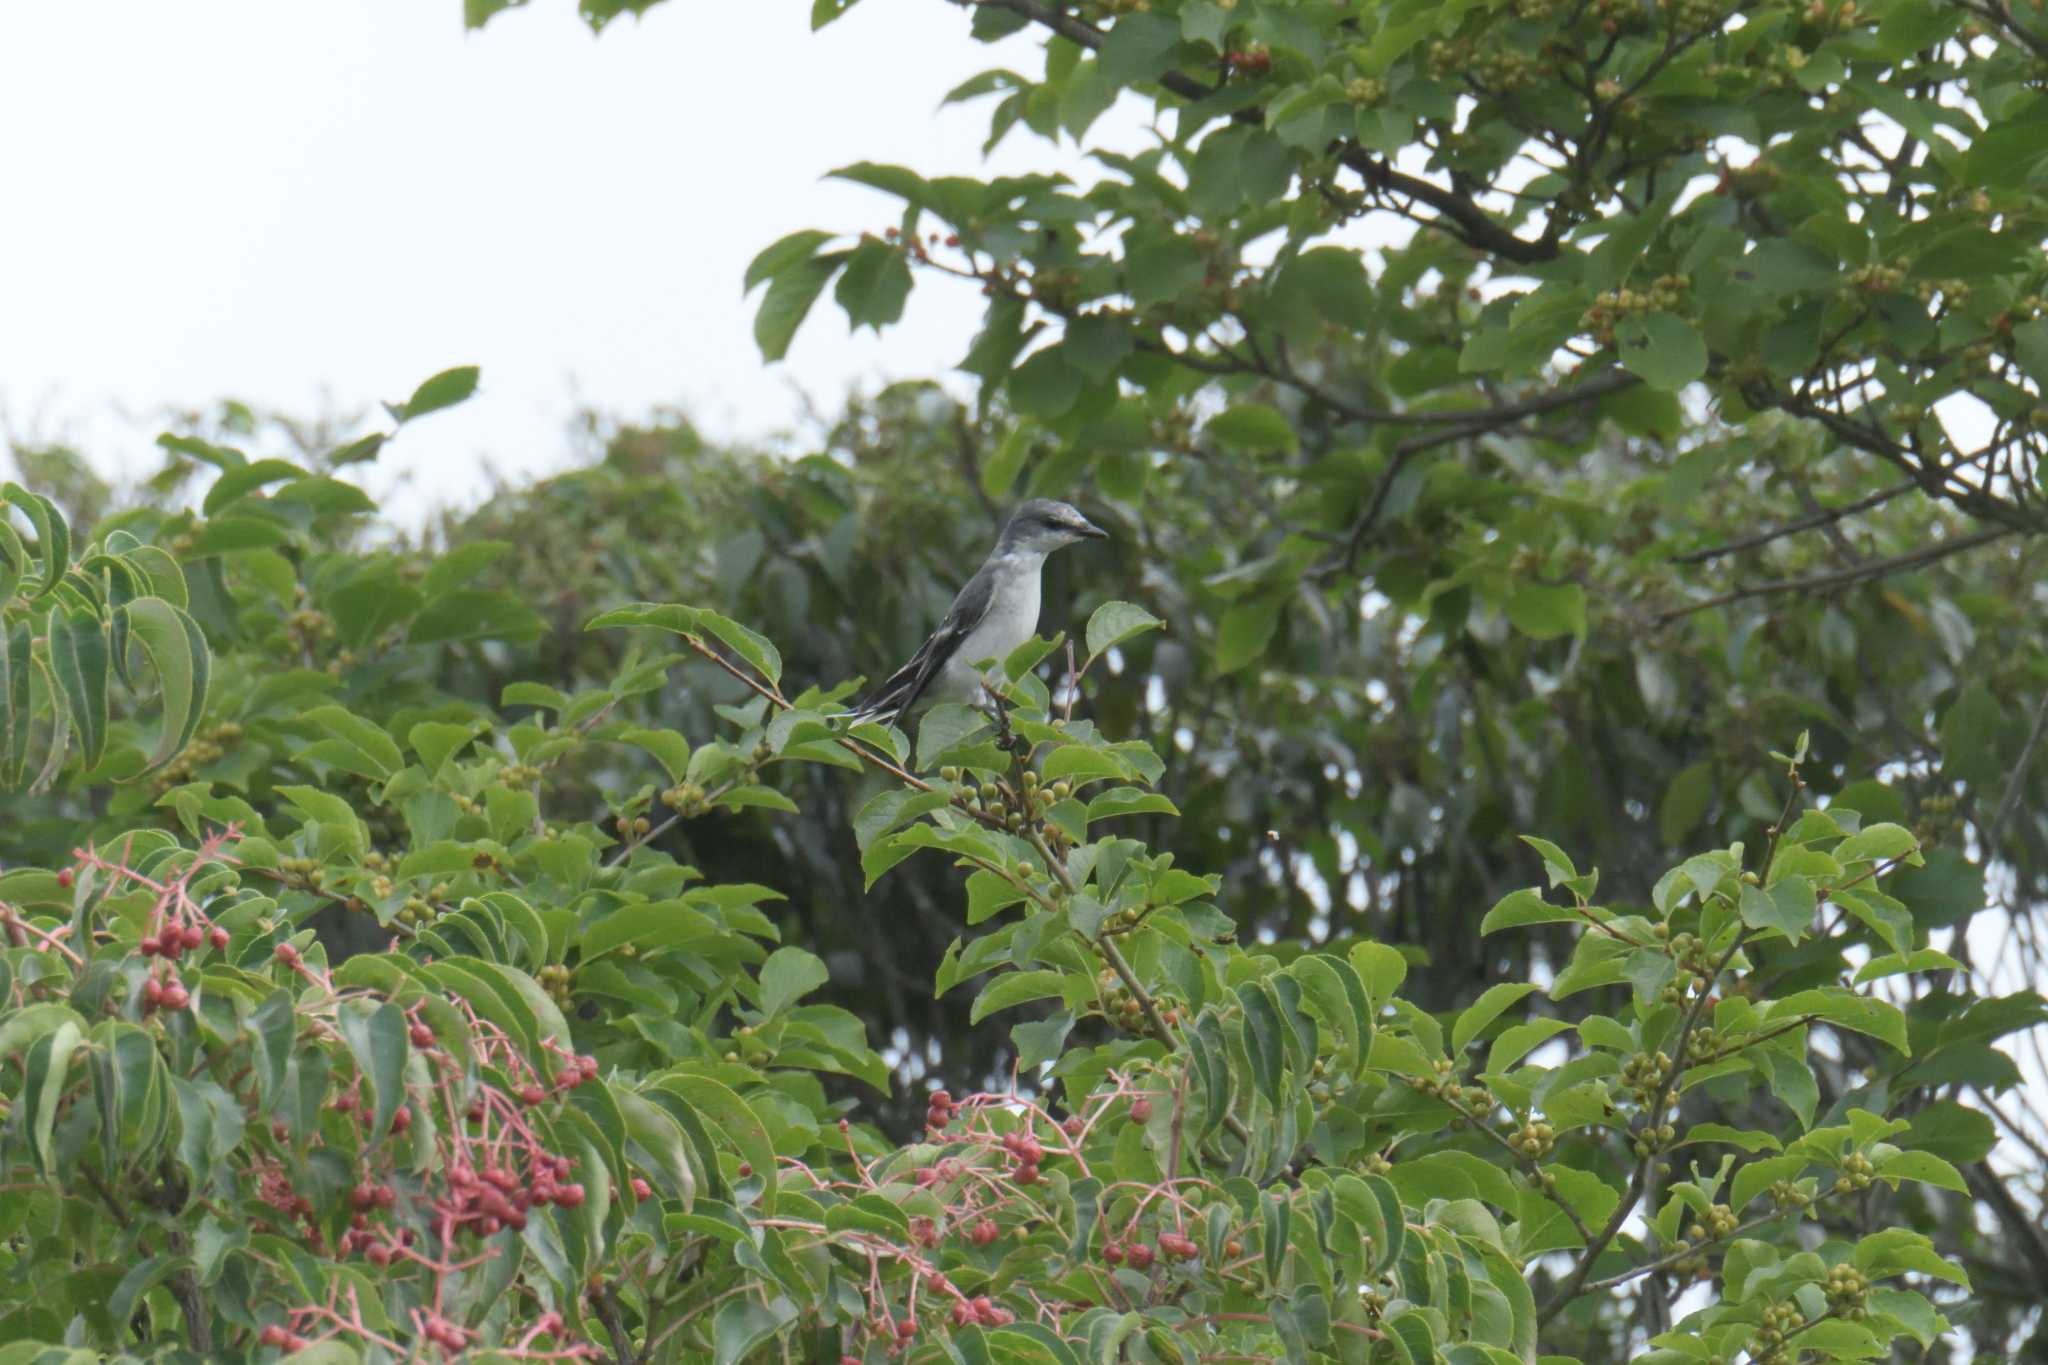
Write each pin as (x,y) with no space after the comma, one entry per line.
(1011,619)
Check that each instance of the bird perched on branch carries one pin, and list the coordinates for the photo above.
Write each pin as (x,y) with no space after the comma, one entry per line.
(996,612)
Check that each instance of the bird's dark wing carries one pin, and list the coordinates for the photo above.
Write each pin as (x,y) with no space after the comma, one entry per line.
(899,692)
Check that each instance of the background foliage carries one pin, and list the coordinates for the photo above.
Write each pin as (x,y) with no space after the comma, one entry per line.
(1701,408)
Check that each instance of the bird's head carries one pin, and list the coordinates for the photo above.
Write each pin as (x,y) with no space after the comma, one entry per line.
(1043,525)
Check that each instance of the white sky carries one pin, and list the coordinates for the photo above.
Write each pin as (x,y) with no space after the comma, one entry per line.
(313,207)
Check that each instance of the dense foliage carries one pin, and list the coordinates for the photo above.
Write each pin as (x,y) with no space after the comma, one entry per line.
(573,1107)
(398,954)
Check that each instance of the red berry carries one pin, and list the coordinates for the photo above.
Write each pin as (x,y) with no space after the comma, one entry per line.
(907,1328)
(1140,1256)
(64,877)
(531,1094)
(364,1195)
(153,991)
(1141,1111)
(962,1314)
(379,1255)
(176,997)
(401,1118)
(422,1036)
(746,1169)
(386,1196)
(475,1112)
(1073,1127)
(218,937)
(287,954)
(151,945)
(1113,1254)
(984,1307)
(569,1196)
(941,1099)
(193,936)
(273,1335)
(984,1232)
(1178,1247)
(641,1189)
(1027,1174)
(1233,1248)
(344,1103)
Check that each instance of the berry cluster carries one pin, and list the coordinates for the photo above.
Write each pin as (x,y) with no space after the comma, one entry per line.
(1612,306)
(1857,1173)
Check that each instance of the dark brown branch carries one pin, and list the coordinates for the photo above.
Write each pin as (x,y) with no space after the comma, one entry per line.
(1823,517)
(1868,571)
(2016,781)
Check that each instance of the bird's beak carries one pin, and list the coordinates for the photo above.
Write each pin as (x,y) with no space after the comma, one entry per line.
(1091,530)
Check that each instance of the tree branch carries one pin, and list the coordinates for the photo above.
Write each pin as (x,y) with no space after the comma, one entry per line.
(1848,577)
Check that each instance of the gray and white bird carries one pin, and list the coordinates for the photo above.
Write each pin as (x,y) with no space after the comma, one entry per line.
(996,612)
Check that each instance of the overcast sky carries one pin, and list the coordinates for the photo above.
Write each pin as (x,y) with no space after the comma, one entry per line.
(314,206)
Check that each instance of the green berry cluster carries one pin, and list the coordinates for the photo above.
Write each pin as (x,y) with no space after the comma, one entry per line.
(554,979)
(1615,305)
(688,799)
(1876,278)
(516,775)
(1857,1173)
(1720,1221)
(208,746)
(1767,1346)
(1473,1099)
(1786,1196)
(423,909)
(1847,1291)
(304,871)
(1642,1075)
(1534,1139)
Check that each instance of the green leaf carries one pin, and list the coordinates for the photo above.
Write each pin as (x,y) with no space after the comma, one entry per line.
(1243,634)
(444,390)
(788,301)
(745,1323)
(354,743)
(1016,988)
(1544,612)
(1876,843)
(240,482)
(1953,1131)
(787,976)
(1041,1042)
(1664,350)
(670,748)
(1786,907)
(1483,1011)
(780,256)
(1879,1019)
(1253,429)
(1112,623)
(755,648)
(1526,906)
(177,652)
(731,1118)
(45,1071)
(82,659)
(1924,1167)
(377,1038)
(874,285)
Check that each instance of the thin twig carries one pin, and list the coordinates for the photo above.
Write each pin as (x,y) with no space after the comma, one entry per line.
(1865,572)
